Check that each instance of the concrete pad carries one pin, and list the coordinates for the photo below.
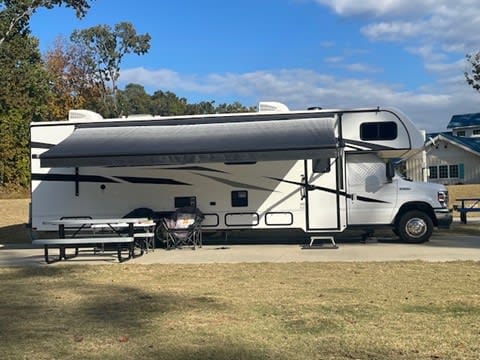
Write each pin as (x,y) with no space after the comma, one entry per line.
(441,247)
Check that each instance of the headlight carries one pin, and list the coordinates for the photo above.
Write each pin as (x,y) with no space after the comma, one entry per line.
(443,198)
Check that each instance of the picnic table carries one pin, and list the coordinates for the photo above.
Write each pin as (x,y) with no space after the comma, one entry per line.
(468,205)
(119,242)
(82,223)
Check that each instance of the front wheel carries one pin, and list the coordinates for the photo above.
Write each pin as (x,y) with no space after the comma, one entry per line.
(415,227)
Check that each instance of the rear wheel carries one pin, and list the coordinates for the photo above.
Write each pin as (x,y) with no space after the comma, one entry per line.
(415,227)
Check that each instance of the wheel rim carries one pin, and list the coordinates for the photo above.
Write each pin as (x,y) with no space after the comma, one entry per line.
(416,227)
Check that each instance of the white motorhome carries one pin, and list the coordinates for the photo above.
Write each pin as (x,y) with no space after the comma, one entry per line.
(321,170)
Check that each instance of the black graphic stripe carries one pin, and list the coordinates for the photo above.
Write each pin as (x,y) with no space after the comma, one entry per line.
(367,145)
(73,178)
(366,199)
(144,180)
(40,145)
(102,179)
(331,191)
(195,168)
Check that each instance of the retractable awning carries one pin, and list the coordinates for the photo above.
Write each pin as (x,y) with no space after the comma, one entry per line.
(158,144)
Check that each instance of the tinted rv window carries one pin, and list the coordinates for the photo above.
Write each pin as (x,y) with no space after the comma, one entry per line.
(378,131)
(239,198)
(185,201)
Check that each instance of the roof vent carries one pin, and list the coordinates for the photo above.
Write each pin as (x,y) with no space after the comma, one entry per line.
(83,115)
(272,106)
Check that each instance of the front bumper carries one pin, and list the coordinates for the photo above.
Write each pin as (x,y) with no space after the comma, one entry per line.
(444,218)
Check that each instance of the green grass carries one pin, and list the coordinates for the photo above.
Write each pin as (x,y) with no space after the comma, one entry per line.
(405,310)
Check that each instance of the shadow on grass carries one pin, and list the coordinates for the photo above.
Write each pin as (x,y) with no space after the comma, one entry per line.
(46,309)
(111,312)
(14,234)
(61,312)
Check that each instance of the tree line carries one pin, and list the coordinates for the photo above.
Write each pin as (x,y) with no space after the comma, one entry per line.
(79,72)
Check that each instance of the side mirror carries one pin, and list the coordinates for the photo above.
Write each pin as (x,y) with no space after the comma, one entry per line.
(390,170)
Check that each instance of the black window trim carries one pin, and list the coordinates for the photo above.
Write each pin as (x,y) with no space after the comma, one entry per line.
(178,199)
(253,214)
(378,125)
(239,202)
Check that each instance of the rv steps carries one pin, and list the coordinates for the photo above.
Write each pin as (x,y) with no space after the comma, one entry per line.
(321,245)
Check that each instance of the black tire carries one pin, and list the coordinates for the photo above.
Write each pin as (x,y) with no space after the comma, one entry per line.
(415,227)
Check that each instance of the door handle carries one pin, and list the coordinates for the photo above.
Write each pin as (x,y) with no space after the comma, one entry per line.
(302,188)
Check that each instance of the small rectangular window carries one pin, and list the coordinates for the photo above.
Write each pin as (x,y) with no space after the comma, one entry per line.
(433,170)
(443,171)
(378,131)
(185,201)
(476,132)
(460,133)
(240,198)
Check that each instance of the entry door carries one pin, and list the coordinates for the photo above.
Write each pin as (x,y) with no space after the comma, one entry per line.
(372,197)
(325,202)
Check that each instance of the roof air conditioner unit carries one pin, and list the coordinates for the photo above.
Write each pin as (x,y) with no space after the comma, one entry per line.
(83,115)
(272,106)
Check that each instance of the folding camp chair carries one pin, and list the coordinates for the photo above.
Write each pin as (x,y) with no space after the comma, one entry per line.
(183,228)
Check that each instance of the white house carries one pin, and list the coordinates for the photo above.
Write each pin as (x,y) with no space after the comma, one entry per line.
(451,157)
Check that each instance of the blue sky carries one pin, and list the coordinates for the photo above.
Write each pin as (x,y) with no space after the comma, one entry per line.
(330,53)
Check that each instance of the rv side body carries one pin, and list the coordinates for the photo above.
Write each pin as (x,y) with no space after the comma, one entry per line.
(351,188)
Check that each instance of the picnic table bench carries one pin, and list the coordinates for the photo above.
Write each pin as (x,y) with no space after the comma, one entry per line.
(468,205)
(80,225)
(146,238)
(118,243)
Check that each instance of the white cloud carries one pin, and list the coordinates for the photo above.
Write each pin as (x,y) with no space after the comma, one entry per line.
(376,7)
(339,62)
(453,23)
(334,59)
(395,30)
(327,44)
(427,52)
(457,67)
(342,62)
(430,108)
(440,32)
(362,68)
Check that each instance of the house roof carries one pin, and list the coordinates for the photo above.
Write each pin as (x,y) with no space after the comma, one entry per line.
(470,143)
(464,120)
